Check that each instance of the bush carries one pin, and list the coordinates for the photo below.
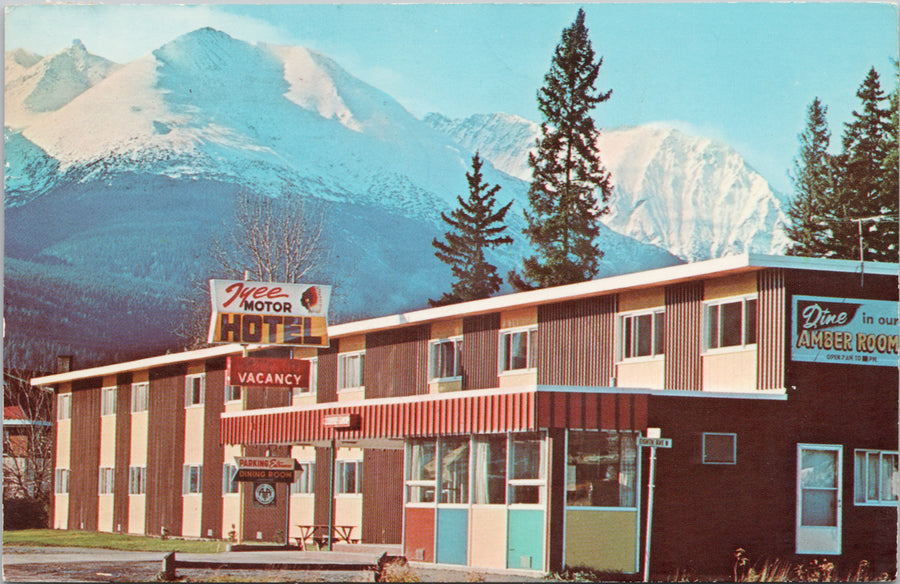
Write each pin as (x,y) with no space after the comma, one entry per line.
(25,514)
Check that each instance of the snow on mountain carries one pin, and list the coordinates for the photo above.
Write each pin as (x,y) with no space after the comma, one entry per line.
(692,196)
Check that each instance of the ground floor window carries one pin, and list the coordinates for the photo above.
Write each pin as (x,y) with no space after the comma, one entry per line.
(490,470)
(876,477)
(455,470)
(229,485)
(348,476)
(191,477)
(137,480)
(107,480)
(528,464)
(61,482)
(601,469)
(305,476)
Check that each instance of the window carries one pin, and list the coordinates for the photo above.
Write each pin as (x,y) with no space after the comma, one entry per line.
(107,401)
(455,470)
(601,469)
(518,349)
(232,393)
(490,470)
(229,485)
(876,478)
(348,476)
(137,480)
(194,388)
(140,397)
(445,359)
(191,479)
(351,369)
(527,469)
(643,335)
(107,480)
(719,448)
(305,478)
(61,481)
(313,379)
(64,406)
(731,323)
(421,472)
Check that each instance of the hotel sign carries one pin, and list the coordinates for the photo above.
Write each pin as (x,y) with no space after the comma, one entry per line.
(844,331)
(269,313)
(265,372)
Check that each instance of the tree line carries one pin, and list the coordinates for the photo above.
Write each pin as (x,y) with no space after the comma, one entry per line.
(845,203)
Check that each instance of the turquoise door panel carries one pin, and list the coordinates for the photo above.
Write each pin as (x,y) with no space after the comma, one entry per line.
(525,547)
(452,536)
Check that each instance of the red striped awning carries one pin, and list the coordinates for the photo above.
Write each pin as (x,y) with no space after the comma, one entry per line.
(469,412)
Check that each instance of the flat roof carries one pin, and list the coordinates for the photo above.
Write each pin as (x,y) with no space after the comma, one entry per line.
(656,277)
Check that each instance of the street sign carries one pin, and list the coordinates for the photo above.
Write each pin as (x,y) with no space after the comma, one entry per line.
(655,442)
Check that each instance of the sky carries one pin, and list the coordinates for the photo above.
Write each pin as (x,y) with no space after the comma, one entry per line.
(744,73)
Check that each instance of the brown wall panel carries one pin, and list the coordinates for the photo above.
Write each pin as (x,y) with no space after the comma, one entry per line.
(382,496)
(326,388)
(123,452)
(481,337)
(85,455)
(213,452)
(576,342)
(770,319)
(396,362)
(684,336)
(165,450)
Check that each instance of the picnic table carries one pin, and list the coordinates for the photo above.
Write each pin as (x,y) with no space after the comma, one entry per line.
(318,533)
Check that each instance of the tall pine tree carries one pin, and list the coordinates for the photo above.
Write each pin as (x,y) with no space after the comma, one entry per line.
(861,189)
(563,219)
(812,178)
(475,228)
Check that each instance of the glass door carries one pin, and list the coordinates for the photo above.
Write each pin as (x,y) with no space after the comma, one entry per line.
(819,499)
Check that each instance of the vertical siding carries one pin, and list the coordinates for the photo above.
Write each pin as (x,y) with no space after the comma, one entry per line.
(213,451)
(165,450)
(684,336)
(326,386)
(123,452)
(382,512)
(396,362)
(576,342)
(771,329)
(85,457)
(480,351)
(322,480)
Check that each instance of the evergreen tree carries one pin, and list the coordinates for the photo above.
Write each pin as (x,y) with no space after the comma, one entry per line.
(860,187)
(890,178)
(564,214)
(812,178)
(475,228)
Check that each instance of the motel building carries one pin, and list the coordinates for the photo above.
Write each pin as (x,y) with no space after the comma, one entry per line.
(505,433)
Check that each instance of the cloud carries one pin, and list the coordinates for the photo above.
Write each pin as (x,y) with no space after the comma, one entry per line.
(122,33)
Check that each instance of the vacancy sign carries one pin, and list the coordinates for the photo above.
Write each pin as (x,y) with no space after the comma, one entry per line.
(266,372)
(269,313)
(847,331)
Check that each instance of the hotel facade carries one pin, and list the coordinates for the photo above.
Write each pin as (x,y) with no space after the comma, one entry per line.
(504,433)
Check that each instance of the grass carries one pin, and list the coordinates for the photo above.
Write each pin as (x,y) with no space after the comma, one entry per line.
(110,541)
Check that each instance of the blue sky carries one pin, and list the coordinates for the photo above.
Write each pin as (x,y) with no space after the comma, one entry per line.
(741,72)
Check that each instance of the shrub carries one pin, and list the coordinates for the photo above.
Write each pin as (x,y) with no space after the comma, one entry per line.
(25,514)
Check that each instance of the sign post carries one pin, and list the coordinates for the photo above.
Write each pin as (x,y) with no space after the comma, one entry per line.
(653,441)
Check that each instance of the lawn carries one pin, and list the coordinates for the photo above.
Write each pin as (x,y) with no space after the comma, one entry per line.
(111,541)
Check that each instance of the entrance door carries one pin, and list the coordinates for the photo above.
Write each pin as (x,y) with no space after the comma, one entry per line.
(819,499)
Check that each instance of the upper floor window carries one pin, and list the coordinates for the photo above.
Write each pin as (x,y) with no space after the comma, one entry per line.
(876,477)
(730,323)
(64,406)
(518,349)
(643,334)
(140,397)
(194,389)
(107,401)
(445,356)
(311,386)
(351,370)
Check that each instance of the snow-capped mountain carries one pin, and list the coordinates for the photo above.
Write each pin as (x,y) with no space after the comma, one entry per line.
(690,195)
